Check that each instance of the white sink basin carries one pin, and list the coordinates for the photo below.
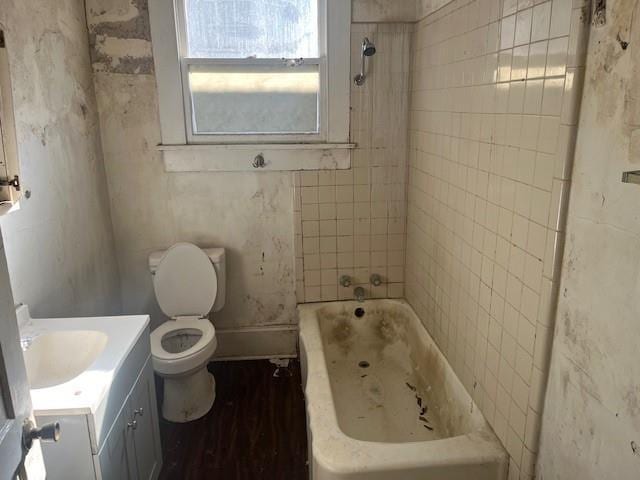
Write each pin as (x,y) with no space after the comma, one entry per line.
(58,357)
(72,362)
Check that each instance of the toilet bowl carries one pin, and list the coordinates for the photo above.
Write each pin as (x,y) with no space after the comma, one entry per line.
(186,281)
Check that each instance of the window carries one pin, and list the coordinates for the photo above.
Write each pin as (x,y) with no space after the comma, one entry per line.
(252,71)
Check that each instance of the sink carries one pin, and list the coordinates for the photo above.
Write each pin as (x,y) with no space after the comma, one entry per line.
(57,357)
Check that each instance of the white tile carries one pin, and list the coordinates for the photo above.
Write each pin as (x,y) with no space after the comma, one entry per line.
(533,97)
(327,228)
(520,397)
(523,27)
(557,57)
(312,278)
(327,177)
(310,211)
(537,59)
(549,134)
(308,179)
(326,211)
(327,244)
(552,96)
(326,194)
(540,22)
(507,32)
(520,57)
(328,261)
(312,294)
(560,18)
(309,194)
(310,228)
(509,7)
(540,203)
(516,97)
(529,304)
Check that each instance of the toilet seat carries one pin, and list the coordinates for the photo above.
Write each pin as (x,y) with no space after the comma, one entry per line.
(167,363)
(202,326)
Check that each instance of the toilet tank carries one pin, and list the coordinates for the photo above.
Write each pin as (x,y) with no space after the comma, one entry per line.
(218,258)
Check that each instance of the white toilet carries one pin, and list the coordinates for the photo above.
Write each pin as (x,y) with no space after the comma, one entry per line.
(189,283)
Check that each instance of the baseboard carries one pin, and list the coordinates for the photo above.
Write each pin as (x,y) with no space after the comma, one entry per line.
(250,343)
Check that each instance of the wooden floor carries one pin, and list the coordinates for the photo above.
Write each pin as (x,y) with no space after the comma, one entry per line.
(255,430)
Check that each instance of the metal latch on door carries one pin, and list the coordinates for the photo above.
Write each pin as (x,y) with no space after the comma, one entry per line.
(14,182)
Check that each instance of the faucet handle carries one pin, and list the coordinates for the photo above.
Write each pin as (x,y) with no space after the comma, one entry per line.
(375,279)
(345,281)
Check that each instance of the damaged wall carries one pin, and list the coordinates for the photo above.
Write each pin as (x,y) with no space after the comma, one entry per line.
(591,424)
(250,214)
(59,245)
(394,10)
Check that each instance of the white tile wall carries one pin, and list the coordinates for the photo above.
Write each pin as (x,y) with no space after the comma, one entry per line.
(494,102)
(352,222)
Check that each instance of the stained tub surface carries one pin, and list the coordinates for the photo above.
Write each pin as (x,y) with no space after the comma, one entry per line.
(382,401)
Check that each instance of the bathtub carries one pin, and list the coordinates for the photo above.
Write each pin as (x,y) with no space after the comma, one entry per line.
(382,401)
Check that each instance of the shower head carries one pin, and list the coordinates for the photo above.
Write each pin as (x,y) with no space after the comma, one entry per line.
(368,48)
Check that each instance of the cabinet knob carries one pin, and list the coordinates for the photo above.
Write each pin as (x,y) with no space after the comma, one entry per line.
(132,425)
(49,432)
(138,411)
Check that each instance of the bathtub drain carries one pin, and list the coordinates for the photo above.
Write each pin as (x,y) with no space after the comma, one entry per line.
(363,364)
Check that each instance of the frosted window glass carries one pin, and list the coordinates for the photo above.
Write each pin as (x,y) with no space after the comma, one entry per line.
(252,28)
(234,99)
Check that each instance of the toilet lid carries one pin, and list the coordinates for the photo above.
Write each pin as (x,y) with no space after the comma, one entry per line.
(185,281)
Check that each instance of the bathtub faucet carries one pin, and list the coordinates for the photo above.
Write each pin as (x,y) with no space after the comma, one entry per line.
(358,292)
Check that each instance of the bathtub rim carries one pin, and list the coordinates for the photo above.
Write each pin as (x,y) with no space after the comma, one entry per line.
(335,451)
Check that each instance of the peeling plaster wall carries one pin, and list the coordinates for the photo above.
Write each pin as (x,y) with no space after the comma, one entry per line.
(394,10)
(250,214)
(591,423)
(383,10)
(59,245)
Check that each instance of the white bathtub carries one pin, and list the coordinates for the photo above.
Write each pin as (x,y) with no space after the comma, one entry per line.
(383,403)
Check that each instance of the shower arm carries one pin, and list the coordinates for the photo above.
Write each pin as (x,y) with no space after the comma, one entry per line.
(361,75)
(368,49)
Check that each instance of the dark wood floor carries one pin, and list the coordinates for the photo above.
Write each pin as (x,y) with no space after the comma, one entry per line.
(255,431)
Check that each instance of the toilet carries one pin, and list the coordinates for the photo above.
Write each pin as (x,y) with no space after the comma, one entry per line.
(189,283)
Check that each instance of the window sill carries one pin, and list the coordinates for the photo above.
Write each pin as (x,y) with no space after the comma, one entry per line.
(240,157)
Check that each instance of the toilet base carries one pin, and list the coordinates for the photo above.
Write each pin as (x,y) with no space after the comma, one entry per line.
(188,397)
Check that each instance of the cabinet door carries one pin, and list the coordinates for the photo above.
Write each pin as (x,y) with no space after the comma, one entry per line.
(116,458)
(146,436)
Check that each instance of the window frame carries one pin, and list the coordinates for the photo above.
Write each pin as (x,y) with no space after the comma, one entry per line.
(168,30)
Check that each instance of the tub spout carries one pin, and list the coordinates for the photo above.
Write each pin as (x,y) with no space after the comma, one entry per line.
(358,292)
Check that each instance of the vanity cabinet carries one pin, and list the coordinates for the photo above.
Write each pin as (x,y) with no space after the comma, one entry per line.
(131,450)
(121,439)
